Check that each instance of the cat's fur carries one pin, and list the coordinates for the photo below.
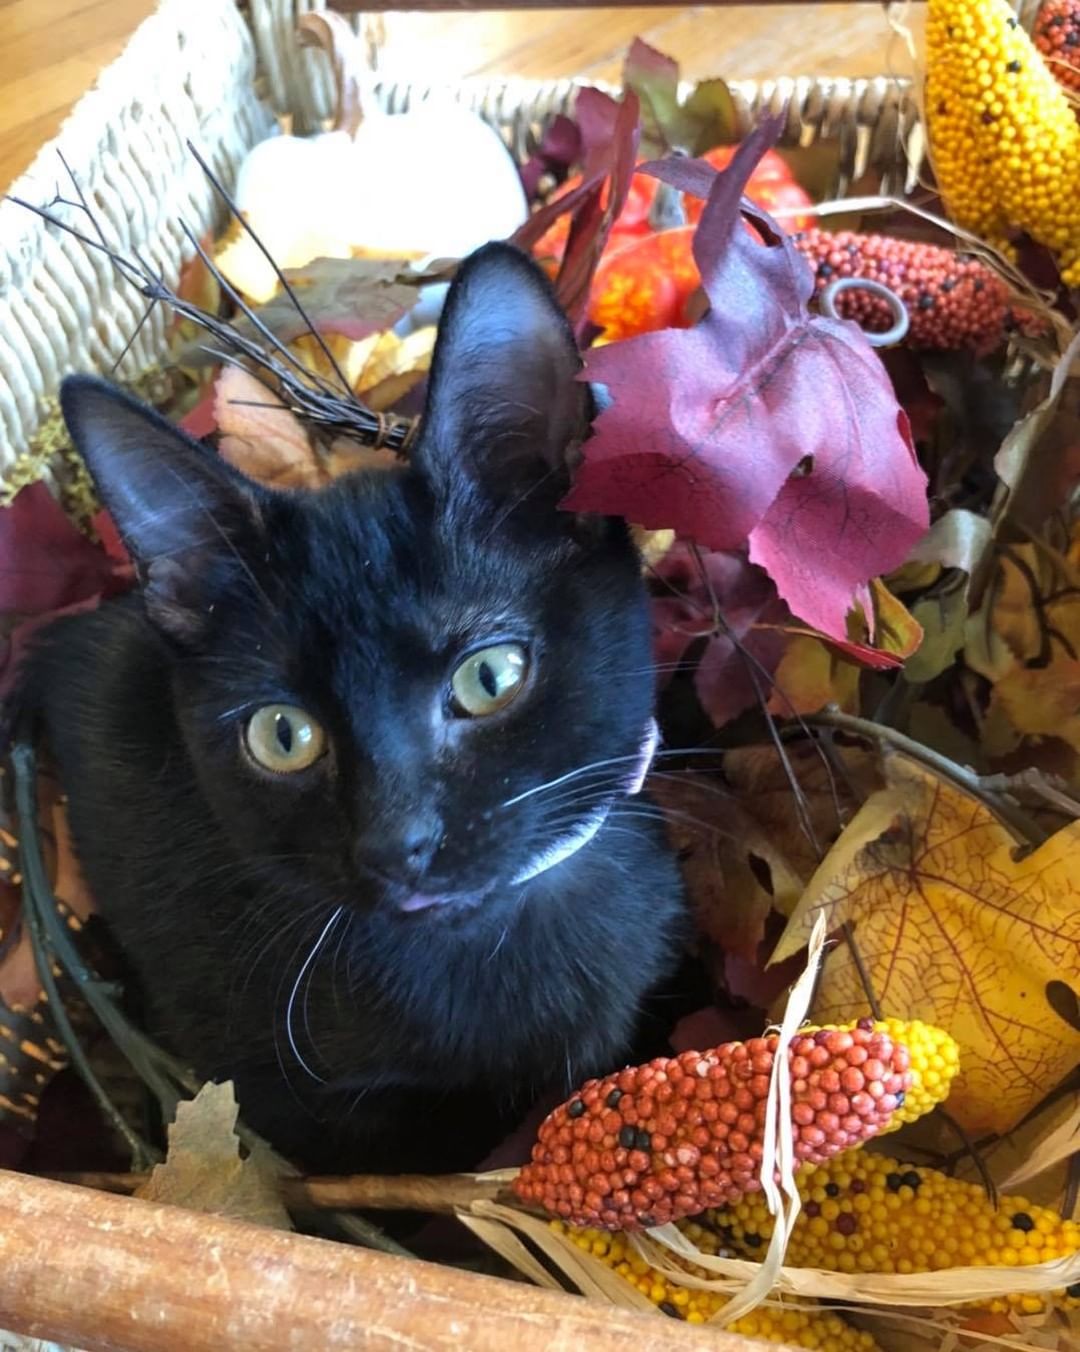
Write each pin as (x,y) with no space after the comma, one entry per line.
(373,1047)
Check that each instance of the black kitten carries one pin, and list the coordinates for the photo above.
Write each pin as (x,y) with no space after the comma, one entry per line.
(351,776)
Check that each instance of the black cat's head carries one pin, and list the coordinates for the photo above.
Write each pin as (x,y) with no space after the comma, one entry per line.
(416,687)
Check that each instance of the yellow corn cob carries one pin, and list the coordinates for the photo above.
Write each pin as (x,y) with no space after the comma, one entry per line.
(863,1212)
(800,1328)
(1005,143)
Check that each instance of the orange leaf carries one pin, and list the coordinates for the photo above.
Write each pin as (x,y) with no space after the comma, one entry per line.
(260,436)
(952,929)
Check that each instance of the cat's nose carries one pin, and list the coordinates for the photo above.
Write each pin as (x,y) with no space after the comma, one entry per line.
(401,852)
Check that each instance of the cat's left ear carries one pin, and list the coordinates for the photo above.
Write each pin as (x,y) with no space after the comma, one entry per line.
(504,411)
(186,517)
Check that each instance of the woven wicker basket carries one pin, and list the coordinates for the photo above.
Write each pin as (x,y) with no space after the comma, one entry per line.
(217,73)
(210,73)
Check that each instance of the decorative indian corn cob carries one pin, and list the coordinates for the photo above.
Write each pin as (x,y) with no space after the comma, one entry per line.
(867,1213)
(1057,36)
(800,1328)
(1005,143)
(653,1143)
(953,302)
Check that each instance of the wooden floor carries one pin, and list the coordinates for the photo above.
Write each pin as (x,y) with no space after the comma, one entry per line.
(52,50)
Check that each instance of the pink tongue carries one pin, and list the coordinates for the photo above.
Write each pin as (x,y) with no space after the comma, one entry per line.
(418,902)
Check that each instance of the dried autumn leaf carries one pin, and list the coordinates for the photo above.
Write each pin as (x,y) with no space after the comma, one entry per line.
(1039,461)
(832,785)
(1043,701)
(393,367)
(761,423)
(1031,603)
(203,1170)
(350,297)
(734,873)
(48,568)
(260,436)
(952,929)
(609,137)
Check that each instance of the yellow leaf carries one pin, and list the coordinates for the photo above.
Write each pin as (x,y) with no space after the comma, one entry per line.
(1043,701)
(204,1171)
(952,930)
(1033,596)
(895,628)
(260,436)
(393,366)
(810,675)
(652,544)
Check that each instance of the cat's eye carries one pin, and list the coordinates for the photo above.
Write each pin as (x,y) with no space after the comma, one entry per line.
(487,680)
(283,738)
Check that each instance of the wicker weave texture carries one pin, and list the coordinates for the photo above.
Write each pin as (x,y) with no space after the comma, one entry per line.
(190,73)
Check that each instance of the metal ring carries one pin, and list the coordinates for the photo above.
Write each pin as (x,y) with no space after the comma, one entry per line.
(901,318)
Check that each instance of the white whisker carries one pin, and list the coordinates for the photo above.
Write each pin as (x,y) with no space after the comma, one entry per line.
(296,987)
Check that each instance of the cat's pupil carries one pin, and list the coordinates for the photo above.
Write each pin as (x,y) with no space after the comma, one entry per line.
(488,679)
(284,732)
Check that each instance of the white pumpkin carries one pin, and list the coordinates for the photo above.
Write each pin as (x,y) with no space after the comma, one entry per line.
(435,181)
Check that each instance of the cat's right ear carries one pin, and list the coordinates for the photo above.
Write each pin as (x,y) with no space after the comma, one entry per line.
(181,511)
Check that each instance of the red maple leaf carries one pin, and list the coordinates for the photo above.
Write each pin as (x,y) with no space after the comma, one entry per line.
(763,425)
(48,569)
(725,600)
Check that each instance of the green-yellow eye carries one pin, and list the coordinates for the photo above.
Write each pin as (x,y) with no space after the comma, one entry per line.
(283,738)
(487,680)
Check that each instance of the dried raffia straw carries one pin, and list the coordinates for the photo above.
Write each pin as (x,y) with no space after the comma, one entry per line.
(1056,1147)
(945,1287)
(778,1162)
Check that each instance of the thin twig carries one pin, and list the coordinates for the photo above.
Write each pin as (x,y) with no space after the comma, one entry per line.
(439,1194)
(234,210)
(848,931)
(302,390)
(972,1151)
(1026,830)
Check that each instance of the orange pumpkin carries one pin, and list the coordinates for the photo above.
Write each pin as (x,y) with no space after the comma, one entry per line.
(771,186)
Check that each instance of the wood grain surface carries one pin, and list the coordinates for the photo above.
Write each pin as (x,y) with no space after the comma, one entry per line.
(109,1274)
(51,51)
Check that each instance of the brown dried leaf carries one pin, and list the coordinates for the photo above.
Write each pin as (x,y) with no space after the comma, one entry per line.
(260,436)
(204,1171)
(734,873)
(953,930)
(832,792)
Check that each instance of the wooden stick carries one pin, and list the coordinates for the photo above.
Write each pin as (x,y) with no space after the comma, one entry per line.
(440,1194)
(111,1274)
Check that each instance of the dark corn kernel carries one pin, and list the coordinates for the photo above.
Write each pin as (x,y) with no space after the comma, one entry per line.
(575,1108)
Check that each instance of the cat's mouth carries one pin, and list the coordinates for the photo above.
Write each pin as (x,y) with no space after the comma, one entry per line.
(411,903)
